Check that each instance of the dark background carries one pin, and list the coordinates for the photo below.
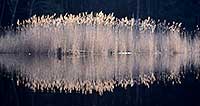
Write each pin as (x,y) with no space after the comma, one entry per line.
(185,11)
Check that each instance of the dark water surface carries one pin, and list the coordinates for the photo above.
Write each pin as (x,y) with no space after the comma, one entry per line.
(144,80)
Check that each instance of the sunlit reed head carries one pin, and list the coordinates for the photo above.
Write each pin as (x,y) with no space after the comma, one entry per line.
(98,52)
(97,33)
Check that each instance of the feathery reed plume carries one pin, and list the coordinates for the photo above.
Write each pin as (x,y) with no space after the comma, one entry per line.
(96,33)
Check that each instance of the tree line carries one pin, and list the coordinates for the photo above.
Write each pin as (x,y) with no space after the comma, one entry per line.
(185,11)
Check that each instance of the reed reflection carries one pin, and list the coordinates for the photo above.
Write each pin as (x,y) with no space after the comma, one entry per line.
(88,74)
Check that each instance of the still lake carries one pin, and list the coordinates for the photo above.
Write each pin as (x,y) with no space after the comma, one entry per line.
(137,79)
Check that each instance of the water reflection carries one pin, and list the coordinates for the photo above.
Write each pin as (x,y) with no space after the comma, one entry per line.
(88,74)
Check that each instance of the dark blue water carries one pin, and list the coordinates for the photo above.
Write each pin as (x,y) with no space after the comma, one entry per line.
(161,92)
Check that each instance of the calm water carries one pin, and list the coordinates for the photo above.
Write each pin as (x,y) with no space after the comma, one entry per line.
(137,79)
